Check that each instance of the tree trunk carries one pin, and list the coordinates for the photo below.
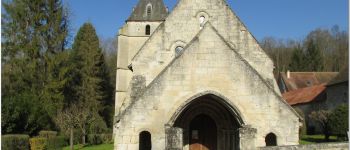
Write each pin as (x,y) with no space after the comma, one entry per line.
(71,139)
(83,138)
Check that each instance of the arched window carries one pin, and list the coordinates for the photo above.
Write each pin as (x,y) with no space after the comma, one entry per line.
(149,10)
(201,21)
(145,142)
(271,140)
(178,50)
(148,30)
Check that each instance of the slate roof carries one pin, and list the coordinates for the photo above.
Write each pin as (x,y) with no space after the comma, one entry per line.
(305,95)
(159,11)
(342,77)
(298,80)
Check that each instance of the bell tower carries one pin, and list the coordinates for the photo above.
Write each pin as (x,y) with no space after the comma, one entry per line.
(144,19)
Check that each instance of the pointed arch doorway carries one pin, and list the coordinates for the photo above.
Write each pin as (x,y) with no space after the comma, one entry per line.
(206,122)
(203,133)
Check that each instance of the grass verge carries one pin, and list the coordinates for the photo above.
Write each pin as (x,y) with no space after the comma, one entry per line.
(92,147)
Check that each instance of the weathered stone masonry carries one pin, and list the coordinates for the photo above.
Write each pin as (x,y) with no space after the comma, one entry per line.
(200,64)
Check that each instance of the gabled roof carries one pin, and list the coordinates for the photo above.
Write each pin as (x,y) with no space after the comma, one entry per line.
(342,77)
(158,11)
(298,80)
(305,95)
(209,26)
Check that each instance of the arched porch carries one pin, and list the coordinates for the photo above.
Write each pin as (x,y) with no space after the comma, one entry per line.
(206,122)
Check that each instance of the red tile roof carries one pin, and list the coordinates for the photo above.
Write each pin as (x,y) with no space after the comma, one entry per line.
(299,80)
(305,95)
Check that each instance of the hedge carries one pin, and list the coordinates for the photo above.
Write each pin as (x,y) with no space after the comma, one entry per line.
(15,142)
(38,143)
(96,139)
(53,143)
(47,134)
(56,143)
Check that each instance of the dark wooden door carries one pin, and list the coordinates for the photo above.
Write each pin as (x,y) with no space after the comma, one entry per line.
(203,133)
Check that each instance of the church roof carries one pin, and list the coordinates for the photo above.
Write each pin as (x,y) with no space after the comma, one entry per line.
(141,13)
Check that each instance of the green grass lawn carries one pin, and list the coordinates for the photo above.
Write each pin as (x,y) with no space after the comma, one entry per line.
(92,147)
(310,139)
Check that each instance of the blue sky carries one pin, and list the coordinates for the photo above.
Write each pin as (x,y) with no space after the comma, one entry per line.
(277,18)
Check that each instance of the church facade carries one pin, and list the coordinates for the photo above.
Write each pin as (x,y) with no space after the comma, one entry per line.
(196,78)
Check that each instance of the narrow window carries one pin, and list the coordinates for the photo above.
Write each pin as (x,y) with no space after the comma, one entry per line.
(201,21)
(178,50)
(149,11)
(271,140)
(145,142)
(148,30)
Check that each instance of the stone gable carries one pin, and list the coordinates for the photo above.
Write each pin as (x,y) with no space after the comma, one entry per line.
(200,64)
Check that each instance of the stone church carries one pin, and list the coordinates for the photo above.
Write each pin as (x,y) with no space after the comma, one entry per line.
(196,79)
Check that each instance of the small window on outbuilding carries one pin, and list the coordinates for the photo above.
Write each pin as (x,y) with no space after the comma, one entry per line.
(148,30)
(178,50)
(145,142)
(271,139)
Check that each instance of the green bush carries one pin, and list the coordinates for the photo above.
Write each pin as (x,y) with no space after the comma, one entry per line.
(339,120)
(38,143)
(56,143)
(96,139)
(77,137)
(47,134)
(15,142)
(53,143)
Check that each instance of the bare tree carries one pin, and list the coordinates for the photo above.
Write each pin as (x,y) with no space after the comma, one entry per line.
(322,117)
(66,121)
(83,116)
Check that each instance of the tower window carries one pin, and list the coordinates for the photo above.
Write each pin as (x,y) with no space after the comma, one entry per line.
(148,30)
(149,10)
(145,142)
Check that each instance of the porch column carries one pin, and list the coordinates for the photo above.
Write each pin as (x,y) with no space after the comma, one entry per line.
(247,137)
(173,138)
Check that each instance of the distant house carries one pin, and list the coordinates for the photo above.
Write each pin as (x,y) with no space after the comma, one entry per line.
(290,81)
(337,90)
(311,91)
(306,100)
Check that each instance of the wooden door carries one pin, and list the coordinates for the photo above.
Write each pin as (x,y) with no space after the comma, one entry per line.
(203,133)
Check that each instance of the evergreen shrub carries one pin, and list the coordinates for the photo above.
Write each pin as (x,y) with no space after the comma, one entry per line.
(15,142)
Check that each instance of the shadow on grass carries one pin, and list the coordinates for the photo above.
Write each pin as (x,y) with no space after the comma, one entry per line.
(308,139)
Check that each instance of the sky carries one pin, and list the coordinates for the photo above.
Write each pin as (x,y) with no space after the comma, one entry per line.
(285,19)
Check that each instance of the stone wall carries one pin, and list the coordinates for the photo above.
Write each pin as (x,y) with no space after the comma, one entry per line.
(209,69)
(220,58)
(323,146)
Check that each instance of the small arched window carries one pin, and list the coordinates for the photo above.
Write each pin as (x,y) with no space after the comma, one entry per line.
(178,50)
(145,142)
(201,21)
(149,10)
(148,30)
(271,139)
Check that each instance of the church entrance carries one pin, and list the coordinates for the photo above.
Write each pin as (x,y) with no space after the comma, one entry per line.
(203,133)
(205,123)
